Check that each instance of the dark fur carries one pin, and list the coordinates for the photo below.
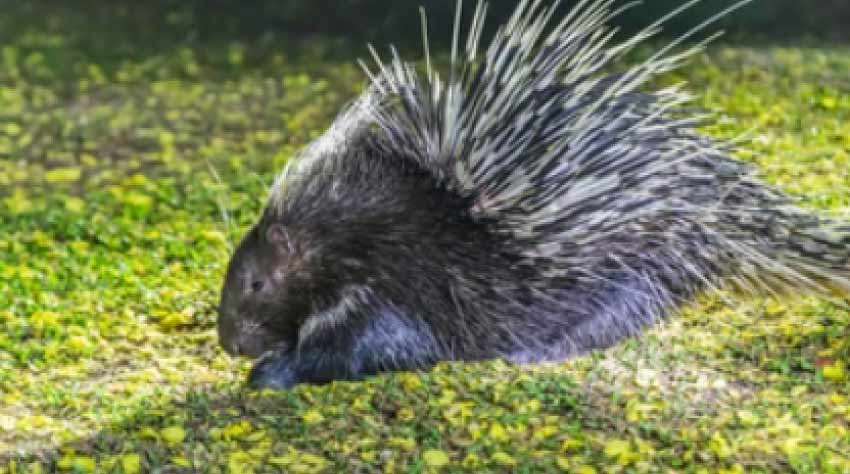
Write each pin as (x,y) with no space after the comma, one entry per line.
(405,258)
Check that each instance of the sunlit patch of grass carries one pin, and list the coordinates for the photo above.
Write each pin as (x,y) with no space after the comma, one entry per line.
(113,244)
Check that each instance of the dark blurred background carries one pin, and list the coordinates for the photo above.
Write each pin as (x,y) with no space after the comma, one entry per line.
(382,21)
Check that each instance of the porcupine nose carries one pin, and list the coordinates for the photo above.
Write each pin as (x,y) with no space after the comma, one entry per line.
(228,333)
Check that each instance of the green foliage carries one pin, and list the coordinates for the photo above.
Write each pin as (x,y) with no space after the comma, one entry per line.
(125,178)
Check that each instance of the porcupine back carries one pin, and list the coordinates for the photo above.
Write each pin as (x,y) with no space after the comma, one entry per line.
(613,208)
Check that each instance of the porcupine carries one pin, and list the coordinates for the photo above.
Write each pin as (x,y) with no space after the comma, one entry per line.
(531,206)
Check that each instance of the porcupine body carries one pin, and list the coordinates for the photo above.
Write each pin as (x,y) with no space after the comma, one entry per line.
(530,206)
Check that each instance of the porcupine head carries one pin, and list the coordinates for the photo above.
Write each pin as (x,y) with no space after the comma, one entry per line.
(530,205)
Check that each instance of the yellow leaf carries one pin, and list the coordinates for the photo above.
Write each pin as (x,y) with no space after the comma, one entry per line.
(747,418)
(77,463)
(644,448)
(774,307)
(308,464)
(75,205)
(790,446)
(65,462)
(617,447)
(313,459)
(290,457)
(735,469)
(563,463)
(88,159)
(448,396)
(620,449)
(42,319)
(18,202)
(63,175)
(571,444)
(175,319)
(78,343)
(299,468)
(173,434)
(13,129)
(281,460)
(546,431)
(836,398)
(503,459)
(256,436)
(138,200)
(829,103)
(719,446)
(498,433)
(834,372)
(312,417)
(531,406)
(410,382)
(236,430)
(214,236)
(149,433)
(238,462)
(84,464)
(79,246)
(180,461)
(471,460)
(406,414)
(137,179)
(435,458)
(131,463)
(29,422)
(406,444)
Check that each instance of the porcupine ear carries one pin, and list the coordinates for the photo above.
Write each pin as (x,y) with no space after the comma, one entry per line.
(278,235)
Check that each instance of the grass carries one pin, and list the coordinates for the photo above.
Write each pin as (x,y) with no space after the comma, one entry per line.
(116,160)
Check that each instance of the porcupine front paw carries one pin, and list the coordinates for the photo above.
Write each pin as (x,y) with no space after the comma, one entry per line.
(273,370)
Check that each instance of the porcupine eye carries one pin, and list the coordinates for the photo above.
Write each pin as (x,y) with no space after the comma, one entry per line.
(266,275)
(253,282)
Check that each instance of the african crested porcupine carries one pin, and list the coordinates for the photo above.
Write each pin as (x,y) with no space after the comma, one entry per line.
(530,207)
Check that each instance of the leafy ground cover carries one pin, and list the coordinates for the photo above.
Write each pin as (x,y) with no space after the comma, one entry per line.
(126,176)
